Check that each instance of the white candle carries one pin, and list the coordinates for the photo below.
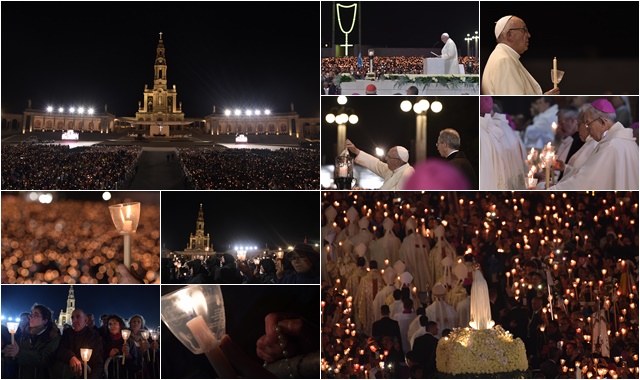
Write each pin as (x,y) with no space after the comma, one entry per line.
(127,226)
(208,342)
(125,336)
(342,172)
(555,73)
(127,251)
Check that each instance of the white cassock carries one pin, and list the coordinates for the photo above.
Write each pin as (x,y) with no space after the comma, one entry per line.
(540,132)
(504,74)
(420,332)
(464,312)
(443,249)
(613,165)
(363,236)
(494,175)
(393,179)
(515,154)
(385,248)
(580,157)
(414,326)
(414,251)
(404,320)
(443,314)
(450,54)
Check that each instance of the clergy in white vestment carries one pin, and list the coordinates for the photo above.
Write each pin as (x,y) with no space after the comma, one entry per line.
(450,54)
(353,278)
(386,247)
(503,73)
(420,331)
(493,174)
(369,287)
(440,311)
(414,251)
(415,323)
(441,251)
(363,236)
(352,228)
(389,277)
(580,157)
(463,308)
(330,214)
(404,320)
(540,131)
(514,153)
(570,141)
(613,165)
(395,172)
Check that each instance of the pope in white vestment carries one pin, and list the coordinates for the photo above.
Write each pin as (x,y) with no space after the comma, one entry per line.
(395,172)
(450,55)
(613,165)
(504,74)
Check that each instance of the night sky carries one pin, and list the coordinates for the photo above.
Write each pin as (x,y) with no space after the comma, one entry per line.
(124,300)
(231,54)
(403,24)
(383,124)
(276,218)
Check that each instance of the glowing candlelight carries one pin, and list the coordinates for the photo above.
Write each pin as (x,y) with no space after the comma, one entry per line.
(125,335)
(85,353)
(12,327)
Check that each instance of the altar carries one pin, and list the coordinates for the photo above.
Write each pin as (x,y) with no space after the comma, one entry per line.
(433,65)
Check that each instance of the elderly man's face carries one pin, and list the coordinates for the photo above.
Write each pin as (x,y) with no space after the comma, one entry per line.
(566,125)
(393,159)
(78,320)
(583,131)
(595,125)
(518,35)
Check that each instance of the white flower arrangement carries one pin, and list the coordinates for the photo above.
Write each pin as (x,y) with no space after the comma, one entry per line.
(480,352)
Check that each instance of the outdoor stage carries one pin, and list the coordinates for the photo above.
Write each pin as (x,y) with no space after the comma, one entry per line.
(439,84)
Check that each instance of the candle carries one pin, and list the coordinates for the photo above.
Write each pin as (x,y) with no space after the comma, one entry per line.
(127,226)
(125,335)
(154,336)
(342,172)
(555,73)
(85,353)
(12,327)
(145,336)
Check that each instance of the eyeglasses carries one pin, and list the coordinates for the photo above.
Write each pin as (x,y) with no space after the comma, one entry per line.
(33,315)
(525,30)
(591,121)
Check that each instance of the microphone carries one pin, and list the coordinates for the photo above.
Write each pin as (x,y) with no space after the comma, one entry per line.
(434,45)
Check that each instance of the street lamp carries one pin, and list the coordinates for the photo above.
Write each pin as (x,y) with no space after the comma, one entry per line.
(476,37)
(420,108)
(468,39)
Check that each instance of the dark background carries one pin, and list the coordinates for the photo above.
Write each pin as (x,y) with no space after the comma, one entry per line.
(402,24)
(276,218)
(245,308)
(224,54)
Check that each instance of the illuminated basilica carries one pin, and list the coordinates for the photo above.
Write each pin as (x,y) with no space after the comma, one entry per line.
(160,115)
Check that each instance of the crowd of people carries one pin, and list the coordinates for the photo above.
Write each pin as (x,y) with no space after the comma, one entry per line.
(335,66)
(40,350)
(73,241)
(251,169)
(562,272)
(47,167)
(299,266)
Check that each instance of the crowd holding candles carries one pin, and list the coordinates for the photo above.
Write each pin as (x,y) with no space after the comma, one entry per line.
(567,262)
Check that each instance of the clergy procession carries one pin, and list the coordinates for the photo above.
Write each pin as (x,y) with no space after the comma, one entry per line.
(573,146)
(398,272)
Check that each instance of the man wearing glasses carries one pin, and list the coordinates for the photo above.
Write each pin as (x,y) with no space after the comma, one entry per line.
(395,172)
(504,74)
(613,165)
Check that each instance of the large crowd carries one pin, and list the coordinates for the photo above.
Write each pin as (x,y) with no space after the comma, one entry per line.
(562,271)
(300,266)
(47,167)
(251,169)
(40,350)
(334,66)
(73,241)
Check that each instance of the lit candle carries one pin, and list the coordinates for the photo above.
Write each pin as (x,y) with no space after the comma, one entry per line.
(85,353)
(145,336)
(12,327)
(555,73)
(342,172)
(125,335)
(154,336)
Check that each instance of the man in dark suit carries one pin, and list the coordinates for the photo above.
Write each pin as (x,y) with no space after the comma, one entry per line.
(449,147)
(329,88)
(385,326)
(424,348)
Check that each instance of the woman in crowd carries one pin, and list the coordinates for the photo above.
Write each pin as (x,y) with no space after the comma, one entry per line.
(114,345)
(35,350)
